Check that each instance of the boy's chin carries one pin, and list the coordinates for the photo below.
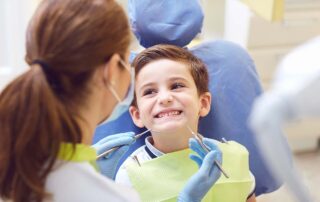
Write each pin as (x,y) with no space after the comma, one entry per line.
(170,128)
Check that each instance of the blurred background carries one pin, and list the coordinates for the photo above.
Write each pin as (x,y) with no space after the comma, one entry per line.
(268,29)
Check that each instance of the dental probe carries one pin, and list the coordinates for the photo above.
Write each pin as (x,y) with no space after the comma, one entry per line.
(199,140)
(117,147)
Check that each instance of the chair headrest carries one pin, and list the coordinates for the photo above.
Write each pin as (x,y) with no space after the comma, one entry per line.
(165,21)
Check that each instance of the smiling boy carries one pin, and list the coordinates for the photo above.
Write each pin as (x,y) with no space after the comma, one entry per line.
(171,94)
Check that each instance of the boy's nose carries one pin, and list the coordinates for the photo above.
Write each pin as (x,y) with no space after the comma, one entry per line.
(165,98)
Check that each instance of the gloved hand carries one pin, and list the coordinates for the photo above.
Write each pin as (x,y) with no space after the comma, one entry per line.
(108,164)
(201,182)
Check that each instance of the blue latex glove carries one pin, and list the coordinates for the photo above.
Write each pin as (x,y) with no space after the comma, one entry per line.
(108,164)
(201,182)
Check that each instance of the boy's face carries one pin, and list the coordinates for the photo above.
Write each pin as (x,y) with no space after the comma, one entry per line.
(167,97)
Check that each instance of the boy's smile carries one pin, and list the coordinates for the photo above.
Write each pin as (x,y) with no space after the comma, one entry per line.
(168,115)
(167,97)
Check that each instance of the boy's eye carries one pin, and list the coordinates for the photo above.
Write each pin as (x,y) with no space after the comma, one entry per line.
(177,85)
(148,92)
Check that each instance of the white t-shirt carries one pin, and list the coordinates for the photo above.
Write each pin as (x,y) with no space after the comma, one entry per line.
(79,181)
(143,154)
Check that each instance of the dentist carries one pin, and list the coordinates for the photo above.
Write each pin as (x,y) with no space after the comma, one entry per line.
(79,75)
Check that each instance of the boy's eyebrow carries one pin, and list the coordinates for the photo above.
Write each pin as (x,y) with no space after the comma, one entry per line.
(178,78)
(170,79)
(146,85)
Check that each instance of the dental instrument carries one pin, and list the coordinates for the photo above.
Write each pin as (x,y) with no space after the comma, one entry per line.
(135,158)
(117,147)
(199,138)
(224,140)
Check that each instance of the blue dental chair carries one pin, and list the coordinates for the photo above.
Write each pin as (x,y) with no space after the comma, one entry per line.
(234,82)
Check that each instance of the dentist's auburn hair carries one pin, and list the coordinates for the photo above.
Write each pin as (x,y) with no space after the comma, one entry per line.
(67,41)
(197,68)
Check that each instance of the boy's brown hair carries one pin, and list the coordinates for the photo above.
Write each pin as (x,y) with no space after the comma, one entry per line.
(197,68)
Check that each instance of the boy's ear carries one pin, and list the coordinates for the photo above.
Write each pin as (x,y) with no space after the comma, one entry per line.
(205,104)
(135,114)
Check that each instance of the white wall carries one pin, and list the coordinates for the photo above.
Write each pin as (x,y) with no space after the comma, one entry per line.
(213,25)
(14,17)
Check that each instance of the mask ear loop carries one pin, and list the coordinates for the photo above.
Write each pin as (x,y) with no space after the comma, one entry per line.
(113,91)
(111,84)
(125,65)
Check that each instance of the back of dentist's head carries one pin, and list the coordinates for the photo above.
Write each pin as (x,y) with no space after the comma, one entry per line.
(66,41)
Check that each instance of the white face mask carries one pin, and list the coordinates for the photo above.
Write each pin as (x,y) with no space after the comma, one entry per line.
(123,105)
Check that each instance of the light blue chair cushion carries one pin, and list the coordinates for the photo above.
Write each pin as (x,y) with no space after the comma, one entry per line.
(165,21)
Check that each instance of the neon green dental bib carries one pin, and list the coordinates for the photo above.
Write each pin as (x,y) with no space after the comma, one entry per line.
(162,178)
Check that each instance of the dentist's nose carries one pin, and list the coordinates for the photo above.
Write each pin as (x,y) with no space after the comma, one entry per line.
(165,98)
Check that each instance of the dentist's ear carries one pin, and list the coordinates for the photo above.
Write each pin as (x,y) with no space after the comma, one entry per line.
(111,71)
(205,104)
(135,114)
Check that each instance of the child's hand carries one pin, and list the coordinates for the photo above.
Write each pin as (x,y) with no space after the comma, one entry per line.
(201,182)
(108,164)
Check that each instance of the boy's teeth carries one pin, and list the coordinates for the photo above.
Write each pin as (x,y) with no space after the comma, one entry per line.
(168,114)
